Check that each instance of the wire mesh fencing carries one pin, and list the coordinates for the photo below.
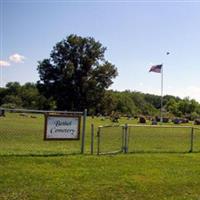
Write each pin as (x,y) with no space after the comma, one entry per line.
(159,139)
(110,139)
(141,138)
(196,140)
(23,134)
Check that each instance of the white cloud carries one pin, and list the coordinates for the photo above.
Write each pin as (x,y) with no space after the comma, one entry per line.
(17,58)
(4,63)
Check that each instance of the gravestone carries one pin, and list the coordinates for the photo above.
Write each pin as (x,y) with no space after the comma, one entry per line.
(2,113)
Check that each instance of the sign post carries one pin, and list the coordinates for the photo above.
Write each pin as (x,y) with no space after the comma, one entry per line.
(83,131)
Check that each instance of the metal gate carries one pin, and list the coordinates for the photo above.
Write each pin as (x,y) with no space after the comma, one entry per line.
(147,138)
(110,139)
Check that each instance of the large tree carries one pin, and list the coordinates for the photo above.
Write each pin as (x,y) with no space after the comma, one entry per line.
(76,74)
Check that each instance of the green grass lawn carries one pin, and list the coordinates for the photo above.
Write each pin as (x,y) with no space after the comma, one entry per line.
(132,176)
(31,168)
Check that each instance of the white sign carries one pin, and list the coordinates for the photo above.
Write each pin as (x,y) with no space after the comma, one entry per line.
(62,127)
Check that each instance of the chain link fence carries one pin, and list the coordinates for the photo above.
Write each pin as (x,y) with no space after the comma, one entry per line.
(159,139)
(148,138)
(196,140)
(22,133)
(110,139)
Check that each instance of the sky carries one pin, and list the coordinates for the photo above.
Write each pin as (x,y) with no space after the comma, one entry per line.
(137,34)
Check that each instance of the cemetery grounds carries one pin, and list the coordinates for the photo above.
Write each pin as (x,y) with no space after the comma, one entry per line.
(31,168)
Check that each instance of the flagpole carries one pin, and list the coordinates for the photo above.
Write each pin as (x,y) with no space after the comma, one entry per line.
(161,107)
(161,103)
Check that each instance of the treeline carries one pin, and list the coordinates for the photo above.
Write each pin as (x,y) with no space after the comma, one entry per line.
(26,96)
(126,103)
(137,103)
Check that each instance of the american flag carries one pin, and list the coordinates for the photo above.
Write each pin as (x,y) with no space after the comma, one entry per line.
(156,68)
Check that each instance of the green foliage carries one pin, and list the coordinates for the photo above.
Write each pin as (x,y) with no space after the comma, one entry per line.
(153,100)
(76,74)
(13,88)
(24,96)
(9,105)
(194,115)
(12,99)
(108,103)
(126,103)
(172,107)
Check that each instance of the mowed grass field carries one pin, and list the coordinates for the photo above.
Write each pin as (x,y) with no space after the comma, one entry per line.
(158,166)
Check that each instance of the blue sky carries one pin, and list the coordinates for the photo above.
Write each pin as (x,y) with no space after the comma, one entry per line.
(137,34)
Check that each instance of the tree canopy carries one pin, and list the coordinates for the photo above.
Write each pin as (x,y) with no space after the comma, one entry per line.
(77,74)
(129,103)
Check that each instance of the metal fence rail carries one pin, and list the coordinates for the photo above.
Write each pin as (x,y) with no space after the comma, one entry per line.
(22,133)
(148,138)
(110,139)
(38,111)
(159,138)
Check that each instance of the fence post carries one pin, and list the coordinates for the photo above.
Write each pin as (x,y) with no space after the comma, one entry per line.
(98,141)
(126,139)
(83,131)
(92,139)
(123,145)
(191,140)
